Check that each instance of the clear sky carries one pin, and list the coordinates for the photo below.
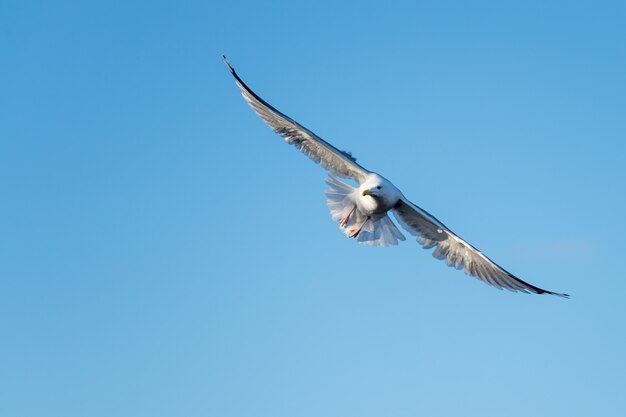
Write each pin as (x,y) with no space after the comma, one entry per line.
(164,253)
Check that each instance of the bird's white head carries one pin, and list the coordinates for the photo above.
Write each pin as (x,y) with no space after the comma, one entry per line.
(378,187)
(377,195)
(372,185)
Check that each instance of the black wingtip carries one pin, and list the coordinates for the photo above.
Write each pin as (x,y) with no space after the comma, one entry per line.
(230,67)
(557,294)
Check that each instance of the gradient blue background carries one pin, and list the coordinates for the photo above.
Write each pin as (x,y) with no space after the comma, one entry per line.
(163,253)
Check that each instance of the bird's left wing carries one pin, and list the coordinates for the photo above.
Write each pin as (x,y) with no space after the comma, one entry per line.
(338,162)
(456,252)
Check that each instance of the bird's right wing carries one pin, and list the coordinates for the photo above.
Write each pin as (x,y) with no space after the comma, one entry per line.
(431,233)
(338,162)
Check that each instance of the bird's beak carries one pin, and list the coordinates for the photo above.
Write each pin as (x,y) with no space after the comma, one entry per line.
(366,192)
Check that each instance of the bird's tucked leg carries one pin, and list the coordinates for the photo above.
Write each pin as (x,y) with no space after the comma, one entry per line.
(346,218)
(355,232)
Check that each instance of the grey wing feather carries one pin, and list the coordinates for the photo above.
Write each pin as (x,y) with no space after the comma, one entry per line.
(338,162)
(456,252)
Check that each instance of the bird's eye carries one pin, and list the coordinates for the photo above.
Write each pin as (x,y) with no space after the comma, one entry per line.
(379,187)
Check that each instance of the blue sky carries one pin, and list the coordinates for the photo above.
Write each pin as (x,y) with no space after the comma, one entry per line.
(163,253)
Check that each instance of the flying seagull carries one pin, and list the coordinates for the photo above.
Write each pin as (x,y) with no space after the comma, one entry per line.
(363,211)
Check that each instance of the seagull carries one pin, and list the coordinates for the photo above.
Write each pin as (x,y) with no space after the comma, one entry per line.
(363,211)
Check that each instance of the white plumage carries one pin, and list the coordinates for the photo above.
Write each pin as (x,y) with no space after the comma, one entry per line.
(363,211)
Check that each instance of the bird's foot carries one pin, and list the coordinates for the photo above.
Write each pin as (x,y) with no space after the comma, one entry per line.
(346,219)
(355,232)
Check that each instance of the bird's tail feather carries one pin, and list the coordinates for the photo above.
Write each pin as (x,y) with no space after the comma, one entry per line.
(339,197)
(380,232)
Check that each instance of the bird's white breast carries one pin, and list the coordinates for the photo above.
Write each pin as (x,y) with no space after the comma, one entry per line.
(369,205)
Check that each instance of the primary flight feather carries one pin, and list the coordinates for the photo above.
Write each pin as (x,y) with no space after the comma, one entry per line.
(362,212)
